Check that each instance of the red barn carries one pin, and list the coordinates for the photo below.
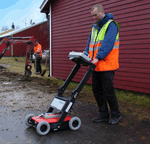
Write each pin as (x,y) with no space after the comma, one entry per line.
(70,25)
(40,31)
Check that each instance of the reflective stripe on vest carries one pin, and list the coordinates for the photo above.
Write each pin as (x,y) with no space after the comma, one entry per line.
(110,62)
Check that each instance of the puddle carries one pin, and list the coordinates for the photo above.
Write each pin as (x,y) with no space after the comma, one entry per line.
(6,83)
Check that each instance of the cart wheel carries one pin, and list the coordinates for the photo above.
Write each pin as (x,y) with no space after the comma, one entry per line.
(28,120)
(43,128)
(74,123)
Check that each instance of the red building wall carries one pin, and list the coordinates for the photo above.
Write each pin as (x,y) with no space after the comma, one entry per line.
(71,24)
(7,53)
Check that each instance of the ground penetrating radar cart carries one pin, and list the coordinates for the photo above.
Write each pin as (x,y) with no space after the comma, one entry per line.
(58,115)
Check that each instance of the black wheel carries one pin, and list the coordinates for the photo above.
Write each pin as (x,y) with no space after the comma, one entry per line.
(28,119)
(74,123)
(43,128)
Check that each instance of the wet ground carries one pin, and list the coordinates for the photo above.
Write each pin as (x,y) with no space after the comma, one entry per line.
(18,99)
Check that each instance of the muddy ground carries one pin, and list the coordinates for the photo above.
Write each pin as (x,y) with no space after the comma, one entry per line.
(38,93)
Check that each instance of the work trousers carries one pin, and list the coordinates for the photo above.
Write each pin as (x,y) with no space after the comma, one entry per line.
(102,85)
(38,64)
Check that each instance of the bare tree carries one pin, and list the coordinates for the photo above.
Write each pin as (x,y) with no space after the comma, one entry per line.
(17,27)
(4,28)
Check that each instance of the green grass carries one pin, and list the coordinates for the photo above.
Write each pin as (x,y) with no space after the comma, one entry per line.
(59,82)
(132,98)
(19,65)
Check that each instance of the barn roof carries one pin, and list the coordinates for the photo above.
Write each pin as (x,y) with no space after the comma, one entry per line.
(6,32)
(19,30)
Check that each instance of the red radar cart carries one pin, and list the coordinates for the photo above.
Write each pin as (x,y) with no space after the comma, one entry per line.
(58,115)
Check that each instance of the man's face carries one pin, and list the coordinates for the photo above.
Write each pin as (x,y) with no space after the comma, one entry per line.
(96,14)
(35,44)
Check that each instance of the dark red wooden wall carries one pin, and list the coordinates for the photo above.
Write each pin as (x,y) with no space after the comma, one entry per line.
(7,53)
(71,24)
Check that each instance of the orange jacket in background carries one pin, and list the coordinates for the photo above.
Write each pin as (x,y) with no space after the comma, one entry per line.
(38,49)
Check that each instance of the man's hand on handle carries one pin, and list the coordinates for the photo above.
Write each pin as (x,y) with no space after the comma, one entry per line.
(95,61)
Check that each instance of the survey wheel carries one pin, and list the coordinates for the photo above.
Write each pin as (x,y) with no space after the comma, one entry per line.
(43,128)
(28,120)
(74,123)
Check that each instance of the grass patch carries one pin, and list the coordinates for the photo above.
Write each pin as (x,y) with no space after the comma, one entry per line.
(59,82)
(17,64)
(133,98)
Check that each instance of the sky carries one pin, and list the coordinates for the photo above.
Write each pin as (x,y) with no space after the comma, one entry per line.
(20,12)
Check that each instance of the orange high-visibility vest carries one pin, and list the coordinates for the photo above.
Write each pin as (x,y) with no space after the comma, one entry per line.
(38,49)
(110,62)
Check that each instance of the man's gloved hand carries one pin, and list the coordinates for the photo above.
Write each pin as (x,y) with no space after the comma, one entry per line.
(95,61)
(35,54)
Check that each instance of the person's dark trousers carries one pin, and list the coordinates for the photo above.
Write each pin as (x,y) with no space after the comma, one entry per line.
(102,84)
(38,64)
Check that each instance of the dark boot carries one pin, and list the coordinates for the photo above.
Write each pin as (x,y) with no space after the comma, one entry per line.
(114,120)
(101,118)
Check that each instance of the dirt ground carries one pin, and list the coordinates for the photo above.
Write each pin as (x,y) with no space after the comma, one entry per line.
(24,94)
(38,94)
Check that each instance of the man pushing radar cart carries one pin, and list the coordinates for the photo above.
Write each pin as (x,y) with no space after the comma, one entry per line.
(58,115)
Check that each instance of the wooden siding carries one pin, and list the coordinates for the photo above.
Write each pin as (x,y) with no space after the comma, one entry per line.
(71,25)
(40,32)
(7,53)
